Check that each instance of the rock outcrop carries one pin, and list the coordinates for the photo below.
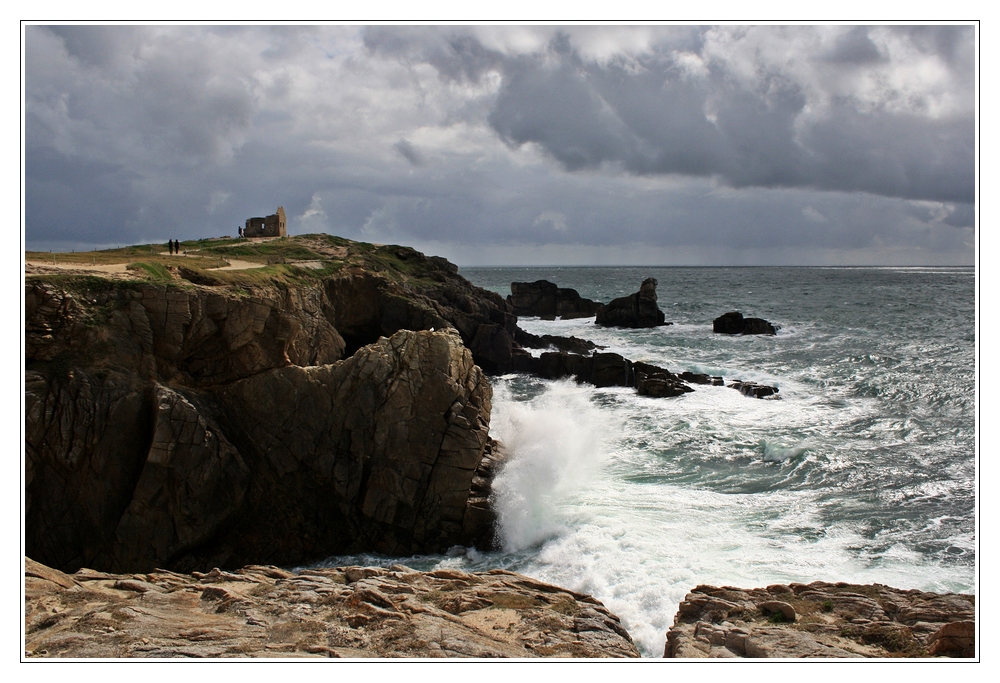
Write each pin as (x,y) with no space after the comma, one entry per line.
(753,389)
(636,310)
(264,611)
(830,620)
(608,370)
(548,301)
(187,428)
(212,419)
(734,323)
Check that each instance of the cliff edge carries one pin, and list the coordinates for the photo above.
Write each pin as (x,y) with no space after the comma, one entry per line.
(281,415)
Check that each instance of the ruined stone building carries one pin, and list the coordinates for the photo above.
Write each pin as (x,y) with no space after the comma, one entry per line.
(268,226)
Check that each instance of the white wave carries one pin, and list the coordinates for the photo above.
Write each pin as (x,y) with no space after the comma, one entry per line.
(555,443)
(776,453)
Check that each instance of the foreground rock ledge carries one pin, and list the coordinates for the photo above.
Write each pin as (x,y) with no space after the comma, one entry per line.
(264,611)
(828,620)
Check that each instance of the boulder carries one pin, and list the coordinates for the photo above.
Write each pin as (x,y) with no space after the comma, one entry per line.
(734,323)
(633,311)
(955,639)
(548,301)
(343,612)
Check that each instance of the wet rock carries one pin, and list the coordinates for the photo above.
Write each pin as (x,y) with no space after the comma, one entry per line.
(754,390)
(734,323)
(548,301)
(634,311)
(701,378)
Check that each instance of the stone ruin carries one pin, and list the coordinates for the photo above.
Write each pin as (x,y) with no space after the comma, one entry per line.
(268,226)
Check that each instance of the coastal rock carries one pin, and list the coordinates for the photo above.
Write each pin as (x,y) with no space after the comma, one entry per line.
(548,301)
(568,344)
(734,323)
(754,390)
(343,612)
(702,378)
(376,452)
(194,336)
(605,370)
(634,311)
(830,620)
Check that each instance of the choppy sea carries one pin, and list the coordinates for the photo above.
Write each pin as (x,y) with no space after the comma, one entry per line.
(864,470)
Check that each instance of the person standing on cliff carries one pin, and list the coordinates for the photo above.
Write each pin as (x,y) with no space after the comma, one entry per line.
(170,245)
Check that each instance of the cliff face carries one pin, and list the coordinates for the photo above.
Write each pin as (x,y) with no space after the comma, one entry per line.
(190,426)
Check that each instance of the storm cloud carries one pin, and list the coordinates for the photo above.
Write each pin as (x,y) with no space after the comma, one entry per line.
(489,144)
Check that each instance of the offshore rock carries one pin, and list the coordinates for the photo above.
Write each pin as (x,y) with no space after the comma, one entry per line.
(607,370)
(568,344)
(378,452)
(634,311)
(349,612)
(829,620)
(754,390)
(734,323)
(548,301)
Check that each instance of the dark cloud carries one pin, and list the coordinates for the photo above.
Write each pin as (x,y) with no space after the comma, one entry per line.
(409,152)
(658,121)
(610,144)
(854,47)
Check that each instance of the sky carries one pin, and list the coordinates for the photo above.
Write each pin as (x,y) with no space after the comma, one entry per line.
(512,145)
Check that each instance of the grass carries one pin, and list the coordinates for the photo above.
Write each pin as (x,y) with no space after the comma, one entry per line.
(153,271)
(277,257)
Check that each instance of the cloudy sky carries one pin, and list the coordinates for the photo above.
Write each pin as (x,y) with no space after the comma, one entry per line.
(512,145)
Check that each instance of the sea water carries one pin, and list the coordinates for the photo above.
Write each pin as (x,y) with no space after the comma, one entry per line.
(863,470)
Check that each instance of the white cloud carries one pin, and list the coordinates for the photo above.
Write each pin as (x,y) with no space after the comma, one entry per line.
(813,215)
(552,219)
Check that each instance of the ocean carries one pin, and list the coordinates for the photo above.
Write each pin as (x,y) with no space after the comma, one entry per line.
(863,470)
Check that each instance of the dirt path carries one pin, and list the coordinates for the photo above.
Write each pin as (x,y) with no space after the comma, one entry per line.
(234,264)
(100,268)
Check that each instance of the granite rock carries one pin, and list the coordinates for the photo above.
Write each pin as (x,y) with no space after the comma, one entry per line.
(820,619)
(343,612)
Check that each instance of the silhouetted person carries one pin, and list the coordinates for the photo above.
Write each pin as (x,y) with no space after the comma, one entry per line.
(170,245)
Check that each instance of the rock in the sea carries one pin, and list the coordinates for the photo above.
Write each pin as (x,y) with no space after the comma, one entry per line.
(755,390)
(829,620)
(634,311)
(734,323)
(346,612)
(548,301)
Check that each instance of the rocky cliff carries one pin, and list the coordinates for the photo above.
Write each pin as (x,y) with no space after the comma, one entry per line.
(190,425)
(264,611)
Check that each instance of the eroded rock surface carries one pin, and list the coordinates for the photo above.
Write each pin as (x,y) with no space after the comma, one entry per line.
(834,620)
(381,451)
(264,611)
